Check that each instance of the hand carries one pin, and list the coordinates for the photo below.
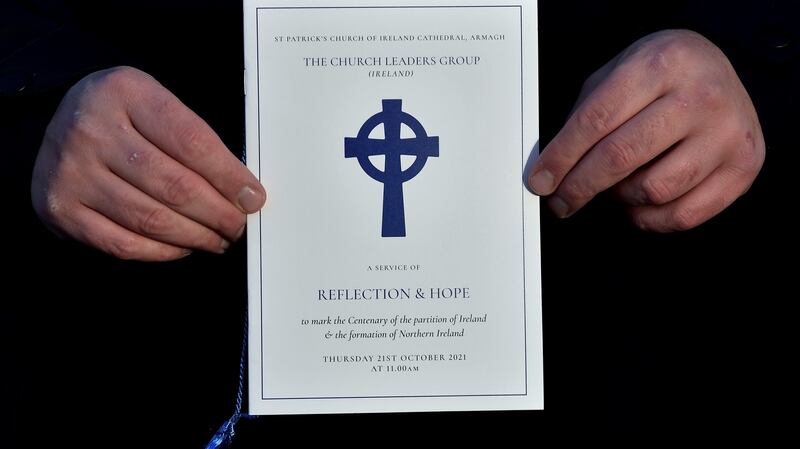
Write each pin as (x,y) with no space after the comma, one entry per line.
(127,168)
(668,125)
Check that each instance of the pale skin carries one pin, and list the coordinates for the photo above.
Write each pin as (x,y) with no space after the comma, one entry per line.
(666,125)
(125,167)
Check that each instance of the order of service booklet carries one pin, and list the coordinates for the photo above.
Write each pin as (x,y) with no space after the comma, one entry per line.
(396,265)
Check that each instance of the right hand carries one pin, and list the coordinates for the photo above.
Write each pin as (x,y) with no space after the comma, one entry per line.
(127,168)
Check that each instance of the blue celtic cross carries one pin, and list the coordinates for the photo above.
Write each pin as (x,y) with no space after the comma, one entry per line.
(392,147)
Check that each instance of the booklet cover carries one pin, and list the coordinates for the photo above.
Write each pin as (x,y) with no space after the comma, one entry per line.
(396,264)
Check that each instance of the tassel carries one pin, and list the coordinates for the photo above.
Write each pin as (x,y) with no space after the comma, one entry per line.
(222,439)
(224,436)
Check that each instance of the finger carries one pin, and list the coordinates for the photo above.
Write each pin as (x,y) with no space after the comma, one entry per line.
(166,122)
(628,89)
(709,198)
(93,229)
(677,172)
(147,168)
(639,140)
(141,214)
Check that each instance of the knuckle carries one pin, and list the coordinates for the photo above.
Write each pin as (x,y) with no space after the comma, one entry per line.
(120,85)
(735,173)
(157,222)
(618,154)
(194,142)
(656,191)
(574,193)
(673,47)
(83,127)
(659,60)
(667,52)
(119,79)
(683,219)
(53,208)
(180,190)
(125,248)
(750,155)
(49,206)
(86,131)
(688,173)
(51,200)
(594,119)
(709,94)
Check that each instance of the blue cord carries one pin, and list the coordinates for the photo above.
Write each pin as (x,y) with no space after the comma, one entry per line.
(224,436)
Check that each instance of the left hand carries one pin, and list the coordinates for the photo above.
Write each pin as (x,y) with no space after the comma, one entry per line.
(668,125)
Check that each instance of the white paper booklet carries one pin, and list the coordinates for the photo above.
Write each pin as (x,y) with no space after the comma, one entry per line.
(396,265)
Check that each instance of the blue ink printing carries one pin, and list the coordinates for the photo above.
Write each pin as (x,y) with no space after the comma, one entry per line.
(392,147)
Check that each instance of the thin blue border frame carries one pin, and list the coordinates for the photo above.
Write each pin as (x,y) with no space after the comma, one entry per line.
(260,241)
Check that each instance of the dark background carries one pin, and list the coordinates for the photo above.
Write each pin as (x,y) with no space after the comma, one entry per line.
(655,336)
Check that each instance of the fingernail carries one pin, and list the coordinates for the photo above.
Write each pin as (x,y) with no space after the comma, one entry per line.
(224,245)
(542,182)
(185,253)
(250,200)
(240,232)
(559,207)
